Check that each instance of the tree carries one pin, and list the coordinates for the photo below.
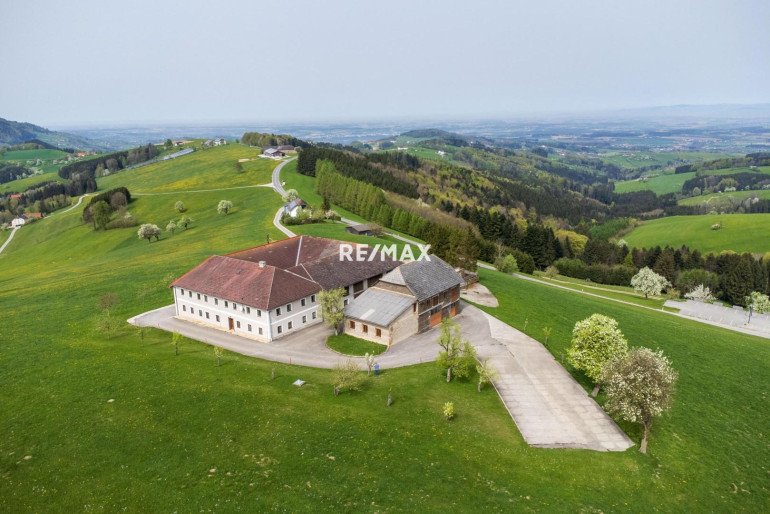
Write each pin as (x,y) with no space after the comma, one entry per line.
(347,376)
(106,302)
(185,221)
(224,207)
(332,310)
(179,206)
(218,354)
(449,411)
(176,338)
(649,282)
(290,195)
(595,341)
(370,362)
(238,166)
(640,387)
(700,292)
(148,231)
(118,200)
(458,357)
(757,302)
(507,264)
(169,144)
(102,212)
(171,227)
(551,272)
(487,373)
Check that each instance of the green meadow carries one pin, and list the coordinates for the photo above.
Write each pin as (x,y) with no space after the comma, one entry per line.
(739,233)
(722,199)
(633,160)
(24,155)
(662,184)
(98,423)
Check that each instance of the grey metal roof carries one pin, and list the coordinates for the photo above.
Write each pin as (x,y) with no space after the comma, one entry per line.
(378,307)
(425,278)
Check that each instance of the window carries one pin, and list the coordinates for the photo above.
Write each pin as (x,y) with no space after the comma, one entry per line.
(184,308)
(207,315)
(302,302)
(378,332)
(205,298)
(278,311)
(365,328)
(414,307)
(358,287)
(280,329)
(288,307)
(217,317)
(189,293)
(434,301)
(304,319)
(314,315)
(352,324)
(225,303)
(312,298)
(345,302)
(200,313)
(260,330)
(238,324)
(235,306)
(249,328)
(199,295)
(291,325)
(181,291)
(248,310)
(216,301)
(259,313)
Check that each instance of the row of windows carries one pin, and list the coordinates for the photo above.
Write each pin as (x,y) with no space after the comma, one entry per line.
(245,308)
(290,325)
(365,328)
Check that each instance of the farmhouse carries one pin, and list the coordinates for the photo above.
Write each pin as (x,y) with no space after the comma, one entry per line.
(294,207)
(18,222)
(274,152)
(411,299)
(271,290)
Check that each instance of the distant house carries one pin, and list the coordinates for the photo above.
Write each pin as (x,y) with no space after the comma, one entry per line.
(294,207)
(35,215)
(18,222)
(274,152)
(409,300)
(286,148)
(15,196)
(363,229)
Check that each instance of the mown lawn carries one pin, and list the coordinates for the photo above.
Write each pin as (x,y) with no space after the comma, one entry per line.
(625,294)
(349,345)
(182,434)
(739,233)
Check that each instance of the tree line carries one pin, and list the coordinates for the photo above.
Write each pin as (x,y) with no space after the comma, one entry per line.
(264,140)
(109,163)
(357,167)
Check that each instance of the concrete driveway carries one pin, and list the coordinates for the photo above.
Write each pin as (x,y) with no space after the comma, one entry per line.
(549,407)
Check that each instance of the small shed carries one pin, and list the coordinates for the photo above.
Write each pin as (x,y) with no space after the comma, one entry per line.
(362,229)
(294,207)
(274,152)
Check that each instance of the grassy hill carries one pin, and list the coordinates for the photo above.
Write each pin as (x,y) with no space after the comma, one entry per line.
(740,233)
(668,182)
(183,434)
(720,199)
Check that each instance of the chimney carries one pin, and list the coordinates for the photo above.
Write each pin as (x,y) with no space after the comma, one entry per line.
(261,264)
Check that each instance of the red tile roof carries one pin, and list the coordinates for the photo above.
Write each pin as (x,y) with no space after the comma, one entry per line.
(294,268)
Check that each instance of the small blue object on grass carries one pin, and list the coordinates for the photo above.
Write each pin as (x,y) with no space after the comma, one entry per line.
(376,369)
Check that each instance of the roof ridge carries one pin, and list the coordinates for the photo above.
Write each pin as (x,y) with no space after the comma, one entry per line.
(300,276)
(270,288)
(299,250)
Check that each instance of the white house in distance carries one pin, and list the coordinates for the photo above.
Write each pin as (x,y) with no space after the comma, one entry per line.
(294,207)
(271,290)
(18,222)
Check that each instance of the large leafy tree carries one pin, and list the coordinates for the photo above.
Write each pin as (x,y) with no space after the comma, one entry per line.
(595,341)
(332,310)
(640,387)
(649,282)
(148,231)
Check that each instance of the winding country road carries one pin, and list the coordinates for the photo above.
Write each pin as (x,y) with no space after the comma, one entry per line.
(13,233)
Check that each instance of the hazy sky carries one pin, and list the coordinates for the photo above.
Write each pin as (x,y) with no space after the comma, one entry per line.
(67,63)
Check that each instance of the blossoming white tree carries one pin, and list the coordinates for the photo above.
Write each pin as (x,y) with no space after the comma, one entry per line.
(595,341)
(224,206)
(700,292)
(640,387)
(649,282)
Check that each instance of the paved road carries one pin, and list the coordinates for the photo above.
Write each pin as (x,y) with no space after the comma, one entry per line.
(277,177)
(13,233)
(546,403)
(726,317)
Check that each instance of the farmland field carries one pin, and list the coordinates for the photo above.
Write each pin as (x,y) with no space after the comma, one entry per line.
(662,184)
(717,199)
(24,155)
(739,233)
(92,422)
(631,160)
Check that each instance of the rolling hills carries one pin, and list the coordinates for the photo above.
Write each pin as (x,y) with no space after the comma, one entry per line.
(180,433)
